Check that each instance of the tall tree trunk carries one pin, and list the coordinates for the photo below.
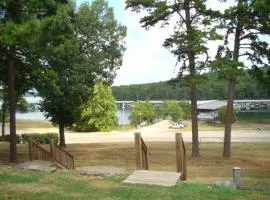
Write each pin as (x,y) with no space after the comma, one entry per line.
(194,113)
(4,109)
(193,91)
(12,109)
(231,91)
(229,115)
(62,134)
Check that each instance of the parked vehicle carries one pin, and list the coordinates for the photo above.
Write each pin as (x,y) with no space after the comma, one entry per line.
(176,125)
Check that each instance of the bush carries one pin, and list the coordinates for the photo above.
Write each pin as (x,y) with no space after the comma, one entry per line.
(171,109)
(18,138)
(142,111)
(40,138)
(186,109)
(222,115)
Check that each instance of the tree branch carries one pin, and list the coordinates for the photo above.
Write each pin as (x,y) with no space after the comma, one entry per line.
(248,35)
(179,13)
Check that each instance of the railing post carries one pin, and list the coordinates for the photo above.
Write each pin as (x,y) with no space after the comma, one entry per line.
(72,162)
(52,150)
(147,160)
(184,177)
(179,153)
(138,149)
(30,150)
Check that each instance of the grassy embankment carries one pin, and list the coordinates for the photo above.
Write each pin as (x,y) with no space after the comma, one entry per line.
(33,185)
(253,158)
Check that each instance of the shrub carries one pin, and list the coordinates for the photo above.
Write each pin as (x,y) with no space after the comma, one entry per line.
(186,109)
(18,138)
(142,111)
(171,109)
(40,138)
(222,115)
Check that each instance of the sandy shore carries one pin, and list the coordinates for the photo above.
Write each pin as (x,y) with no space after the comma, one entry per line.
(157,132)
(161,132)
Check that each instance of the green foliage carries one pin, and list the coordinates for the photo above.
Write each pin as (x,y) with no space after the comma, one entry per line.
(40,138)
(22,105)
(246,88)
(99,113)
(27,30)
(222,115)
(142,111)
(171,109)
(186,110)
(6,117)
(262,75)
(91,47)
(101,40)
(18,138)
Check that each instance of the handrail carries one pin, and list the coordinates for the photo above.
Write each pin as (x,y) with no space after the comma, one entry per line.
(142,153)
(36,152)
(58,154)
(181,165)
(61,156)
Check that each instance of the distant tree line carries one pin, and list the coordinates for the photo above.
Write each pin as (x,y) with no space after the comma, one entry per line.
(211,88)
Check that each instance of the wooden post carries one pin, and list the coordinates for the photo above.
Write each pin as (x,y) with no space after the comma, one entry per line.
(184,177)
(179,152)
(52,150)
(138,149)
(30,150)
(147,160)
(236,176)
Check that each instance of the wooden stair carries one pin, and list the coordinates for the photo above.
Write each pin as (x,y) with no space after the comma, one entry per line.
(163,178)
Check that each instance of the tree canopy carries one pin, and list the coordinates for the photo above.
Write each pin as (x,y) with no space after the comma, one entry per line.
(142,111)
(99,112)
(171,109)
(214,88)
(26,27)
(245,24)
(58,50)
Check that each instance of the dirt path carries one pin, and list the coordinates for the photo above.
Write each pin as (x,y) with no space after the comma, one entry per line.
(161,132)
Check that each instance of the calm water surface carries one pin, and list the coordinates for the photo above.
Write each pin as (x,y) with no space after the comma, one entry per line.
(123,116)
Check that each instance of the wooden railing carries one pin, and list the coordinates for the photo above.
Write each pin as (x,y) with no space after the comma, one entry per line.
(61,156)
(58,154)
(142,153)
(181,165)
(36,152)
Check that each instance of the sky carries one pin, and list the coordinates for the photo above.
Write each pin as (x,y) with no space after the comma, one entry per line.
(145,59)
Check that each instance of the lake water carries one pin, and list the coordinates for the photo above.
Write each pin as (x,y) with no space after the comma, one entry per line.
(123,116)
(262,115)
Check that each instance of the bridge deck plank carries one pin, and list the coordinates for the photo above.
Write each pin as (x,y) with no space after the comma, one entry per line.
(163,178)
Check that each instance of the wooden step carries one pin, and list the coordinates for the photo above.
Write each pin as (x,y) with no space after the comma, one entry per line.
(163,178)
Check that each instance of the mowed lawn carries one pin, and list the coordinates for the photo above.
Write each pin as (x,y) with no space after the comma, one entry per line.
(203,172)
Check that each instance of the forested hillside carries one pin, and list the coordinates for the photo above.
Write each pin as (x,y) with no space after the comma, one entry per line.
(213,88)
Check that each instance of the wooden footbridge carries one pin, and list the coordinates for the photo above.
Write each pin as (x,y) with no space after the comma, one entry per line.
(57,157)
(145,176)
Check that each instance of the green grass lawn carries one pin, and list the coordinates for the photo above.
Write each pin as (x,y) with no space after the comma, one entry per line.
(22,184)
(252,158)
